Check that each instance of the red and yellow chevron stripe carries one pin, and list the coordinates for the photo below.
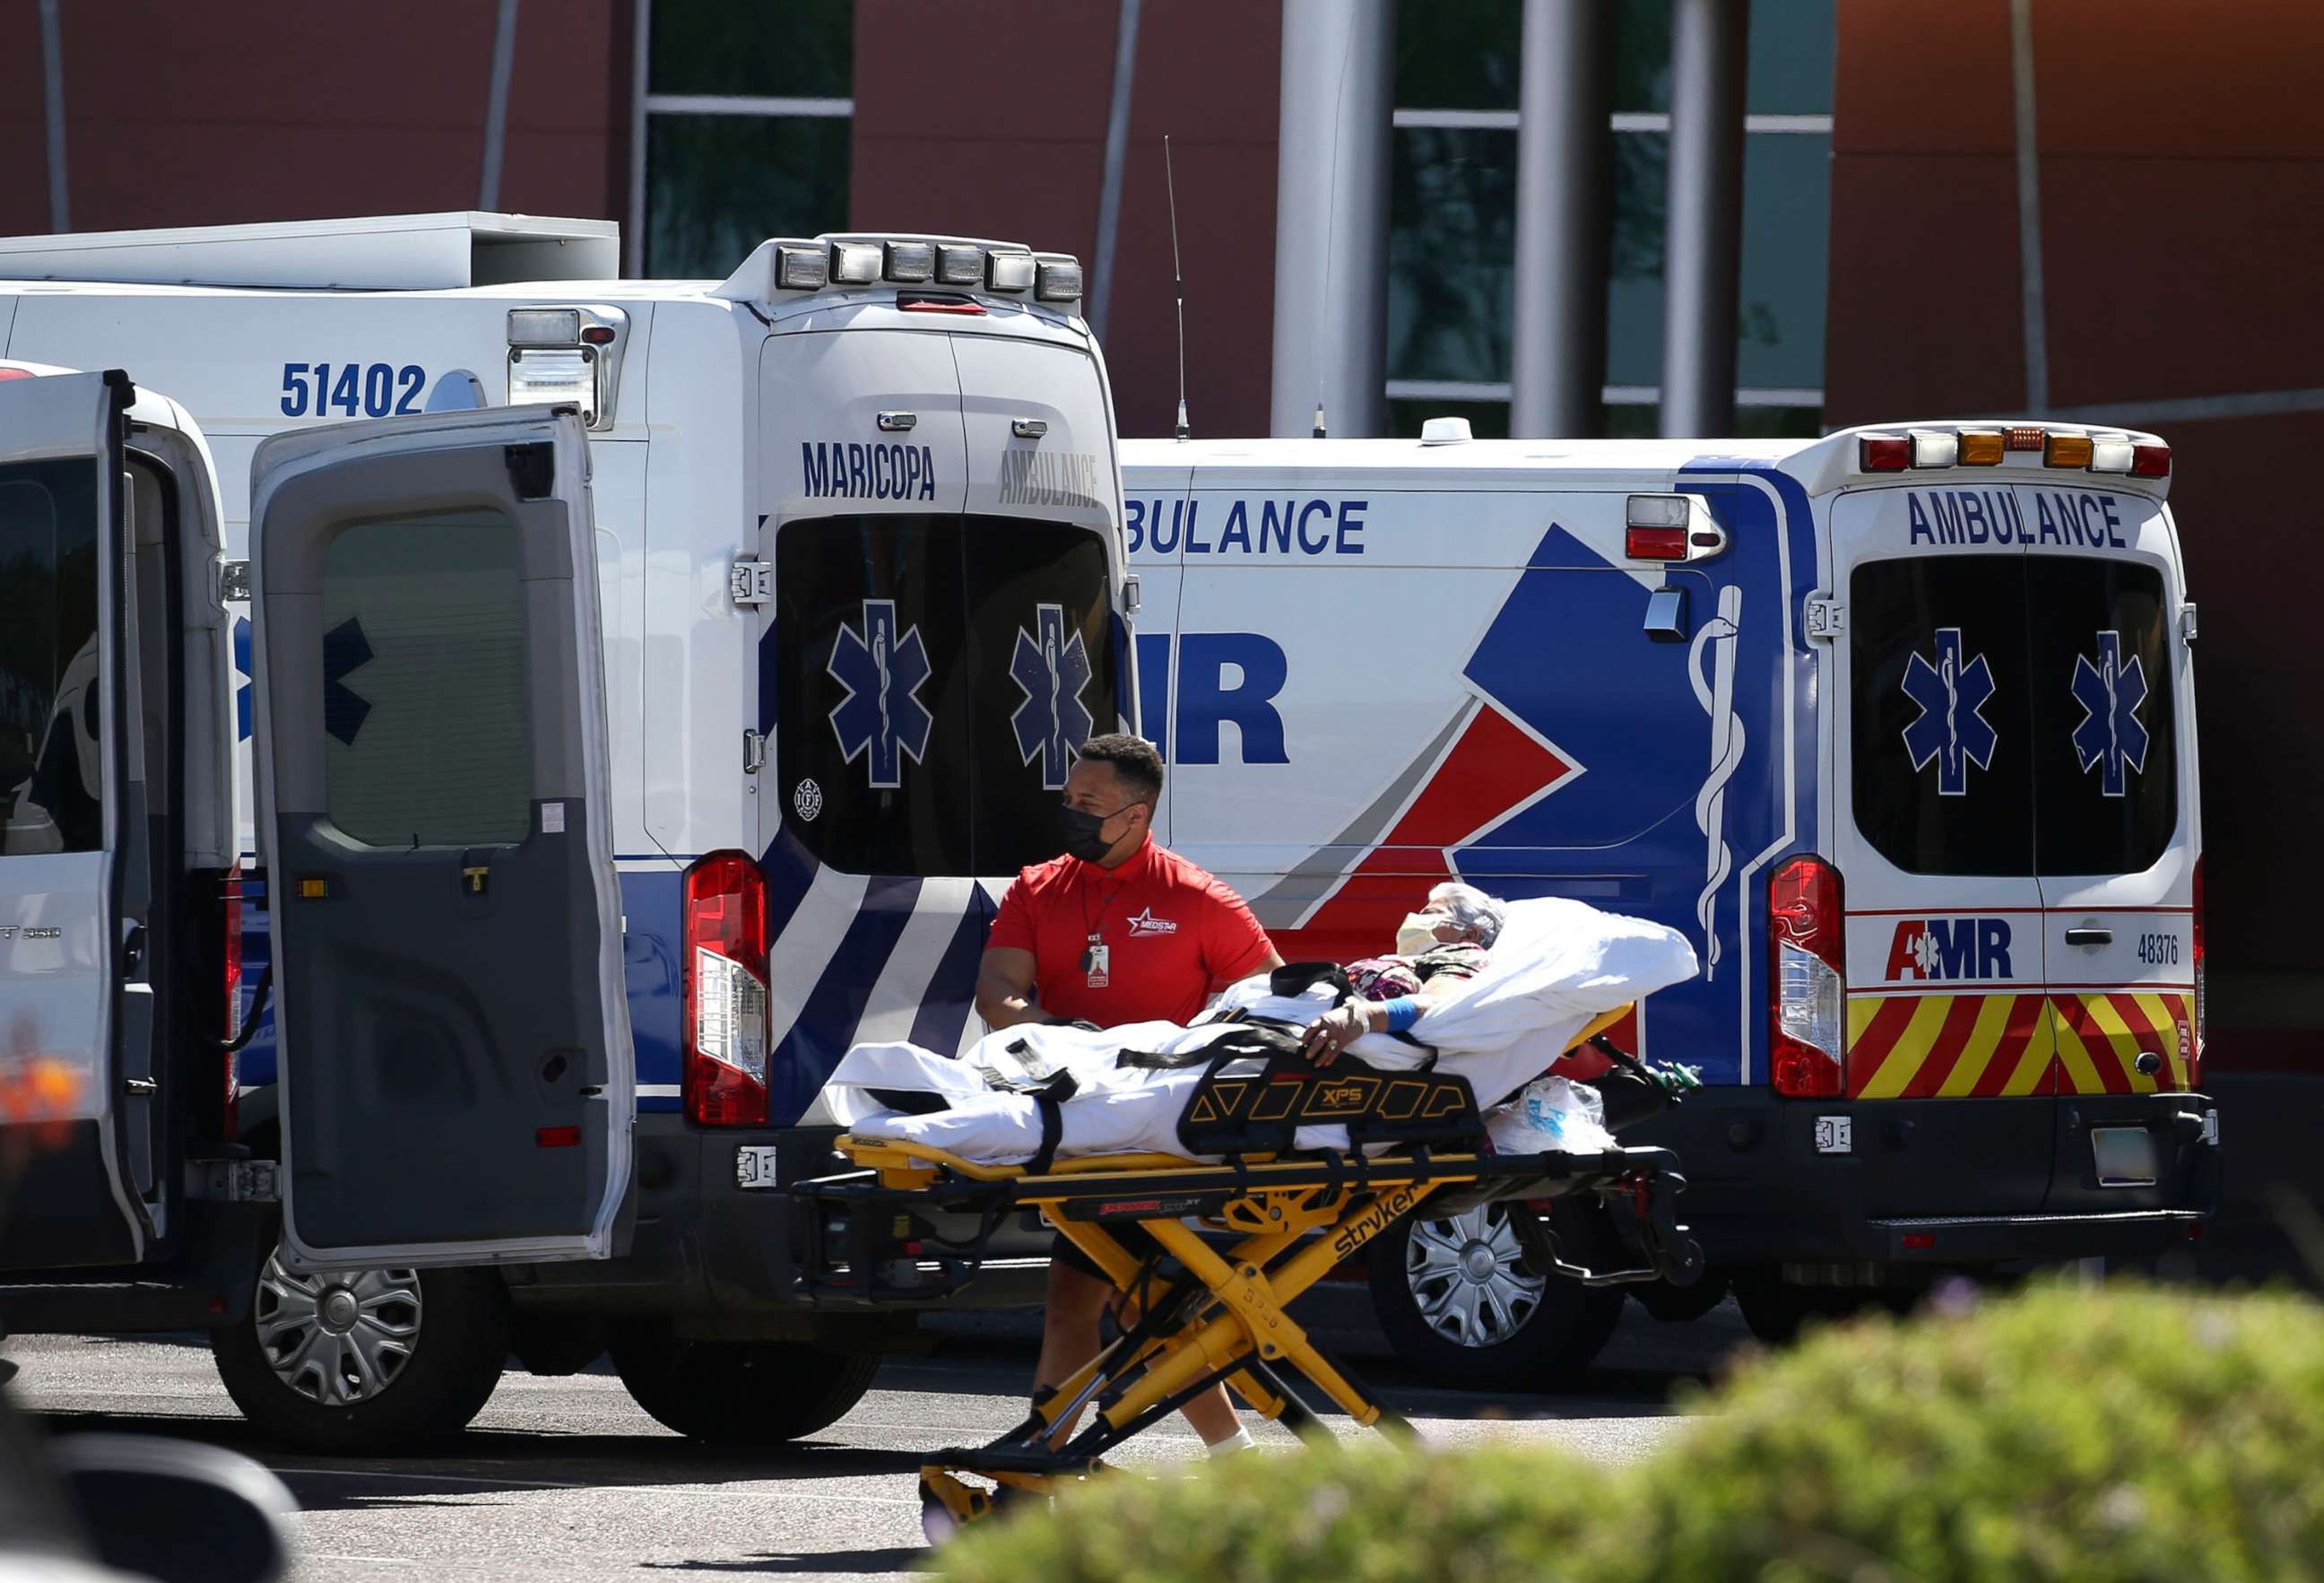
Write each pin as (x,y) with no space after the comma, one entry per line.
(1949,1046)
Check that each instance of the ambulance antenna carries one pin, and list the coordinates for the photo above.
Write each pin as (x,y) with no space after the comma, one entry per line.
(1178,282)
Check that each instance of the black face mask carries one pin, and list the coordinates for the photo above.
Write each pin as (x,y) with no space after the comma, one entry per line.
(1082,829)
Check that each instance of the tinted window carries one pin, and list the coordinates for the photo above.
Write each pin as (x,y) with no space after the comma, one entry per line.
(1942,780)
(930,677)
(426,735)
(52,769)
(2105,750)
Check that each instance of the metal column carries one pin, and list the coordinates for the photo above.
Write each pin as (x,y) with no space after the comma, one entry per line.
(1565,152)
(1702,249)
(1331,216)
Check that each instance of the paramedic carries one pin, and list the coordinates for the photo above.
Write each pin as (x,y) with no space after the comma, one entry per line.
(1119,930)
(1436,948)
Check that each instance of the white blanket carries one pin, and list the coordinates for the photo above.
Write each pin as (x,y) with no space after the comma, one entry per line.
(1556,965)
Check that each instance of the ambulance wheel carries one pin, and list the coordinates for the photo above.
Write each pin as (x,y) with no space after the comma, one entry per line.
(739,1393)
(365,1362)
(1460,1300)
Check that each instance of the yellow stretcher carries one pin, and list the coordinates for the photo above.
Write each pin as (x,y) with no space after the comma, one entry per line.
(1196,1314)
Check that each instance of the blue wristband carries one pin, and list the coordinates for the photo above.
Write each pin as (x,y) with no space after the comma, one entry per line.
(1403,1012)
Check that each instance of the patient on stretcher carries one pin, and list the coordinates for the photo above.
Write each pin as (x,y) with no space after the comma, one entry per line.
(1497,1017)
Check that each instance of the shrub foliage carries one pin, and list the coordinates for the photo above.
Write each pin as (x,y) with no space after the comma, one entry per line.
(2066,1433)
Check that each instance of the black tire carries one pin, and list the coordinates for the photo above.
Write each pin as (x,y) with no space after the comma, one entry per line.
(449,1367)
(1553,1343)
(1779,1314)
(739,1393)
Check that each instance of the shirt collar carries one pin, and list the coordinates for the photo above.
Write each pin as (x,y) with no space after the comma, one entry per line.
(1133,867)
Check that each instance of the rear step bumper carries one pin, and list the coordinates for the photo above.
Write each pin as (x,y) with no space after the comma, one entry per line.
(2002,1238)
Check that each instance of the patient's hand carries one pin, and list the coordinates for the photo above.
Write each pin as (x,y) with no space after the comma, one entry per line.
(1334,1031)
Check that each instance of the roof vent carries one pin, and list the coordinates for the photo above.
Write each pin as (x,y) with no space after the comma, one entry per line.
(1445,431)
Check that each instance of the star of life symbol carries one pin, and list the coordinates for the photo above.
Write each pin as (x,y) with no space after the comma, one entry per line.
(882,718)
(2110,734)
(1952,729)
(1052,665)
(1927,953)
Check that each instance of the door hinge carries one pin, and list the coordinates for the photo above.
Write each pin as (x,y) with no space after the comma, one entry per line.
(754,752)
(233,581)
(2187,622)
(1827,619)
(752,582)
(233,1181)
(1133,597)
(140,1088)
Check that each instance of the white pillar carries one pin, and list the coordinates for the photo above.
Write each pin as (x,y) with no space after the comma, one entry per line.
(1331,216)
(1702,247)
(1564,220)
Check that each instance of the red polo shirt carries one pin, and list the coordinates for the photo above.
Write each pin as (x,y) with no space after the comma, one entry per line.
(1170,929)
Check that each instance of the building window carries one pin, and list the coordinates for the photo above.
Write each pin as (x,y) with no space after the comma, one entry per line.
(1453,242)
(748,113)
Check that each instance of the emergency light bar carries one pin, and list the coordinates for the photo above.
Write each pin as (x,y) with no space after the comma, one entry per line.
(2074,450)
(567,355)
(1002,269)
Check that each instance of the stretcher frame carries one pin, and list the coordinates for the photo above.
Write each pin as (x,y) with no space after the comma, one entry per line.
(1192,1316)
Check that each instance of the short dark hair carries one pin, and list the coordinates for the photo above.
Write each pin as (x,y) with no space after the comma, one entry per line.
(1133,758)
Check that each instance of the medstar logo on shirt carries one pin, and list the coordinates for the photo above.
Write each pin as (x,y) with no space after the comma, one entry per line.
(1146,924)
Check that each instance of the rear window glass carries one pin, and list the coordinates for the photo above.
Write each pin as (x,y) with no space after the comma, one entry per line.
(931,676)
(51,766)
(1942,780)
(2013,715)
(425,733)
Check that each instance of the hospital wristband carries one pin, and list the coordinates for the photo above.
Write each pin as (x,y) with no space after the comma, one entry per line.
(1403,1012)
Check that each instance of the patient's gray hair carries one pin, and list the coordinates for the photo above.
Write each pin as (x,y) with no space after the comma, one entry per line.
(1470,908)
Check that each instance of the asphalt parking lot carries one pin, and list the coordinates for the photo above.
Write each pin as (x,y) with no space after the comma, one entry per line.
(566,1479)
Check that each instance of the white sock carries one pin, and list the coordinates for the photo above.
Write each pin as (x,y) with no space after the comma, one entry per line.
(1239,1440)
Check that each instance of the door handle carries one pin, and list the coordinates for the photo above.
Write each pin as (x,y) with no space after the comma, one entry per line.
(132,951)
(2089,937)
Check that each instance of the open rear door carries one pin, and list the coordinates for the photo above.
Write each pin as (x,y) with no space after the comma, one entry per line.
(435,819)
(74,1007)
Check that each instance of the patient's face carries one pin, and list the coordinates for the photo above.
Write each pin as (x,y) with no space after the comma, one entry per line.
(1447,931)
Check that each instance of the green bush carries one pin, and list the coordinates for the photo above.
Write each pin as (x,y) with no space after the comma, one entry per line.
(2066,1433)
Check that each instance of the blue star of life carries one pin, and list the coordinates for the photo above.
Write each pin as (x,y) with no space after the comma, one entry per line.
(1052,665)
(2110,734)
(1951,729)
(882,718)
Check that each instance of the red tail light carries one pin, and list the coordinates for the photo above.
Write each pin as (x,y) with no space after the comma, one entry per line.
(724,1007)
(231,950)
(2195,1056)
(1806,958)
(911,302)
(2150,461)
(1654,543)
(1883,453)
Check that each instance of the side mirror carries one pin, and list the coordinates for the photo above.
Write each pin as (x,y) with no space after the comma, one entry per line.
(174,1511)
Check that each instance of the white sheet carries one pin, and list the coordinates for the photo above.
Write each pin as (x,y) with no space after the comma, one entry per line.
(1556,965)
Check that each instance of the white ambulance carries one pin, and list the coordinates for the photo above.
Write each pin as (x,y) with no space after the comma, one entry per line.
(1897,725)
(638,680)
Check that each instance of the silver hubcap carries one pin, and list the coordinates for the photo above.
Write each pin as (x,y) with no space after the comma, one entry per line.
(338,1337)
(1470,1277)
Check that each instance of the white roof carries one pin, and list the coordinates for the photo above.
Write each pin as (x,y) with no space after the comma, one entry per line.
(1471,462)
(377,253)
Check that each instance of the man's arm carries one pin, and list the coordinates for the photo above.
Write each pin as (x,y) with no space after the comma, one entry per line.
(1274,961)
(1004,987)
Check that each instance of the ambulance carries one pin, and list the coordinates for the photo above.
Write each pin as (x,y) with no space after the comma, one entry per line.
(1898,725)
(640,674)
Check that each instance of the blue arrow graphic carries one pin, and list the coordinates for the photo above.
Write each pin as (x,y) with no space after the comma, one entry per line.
(2110,733)
(1951,729)
(345,649)
(1052,669)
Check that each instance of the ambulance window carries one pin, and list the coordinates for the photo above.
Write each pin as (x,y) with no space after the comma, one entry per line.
(50,763)
(2106,756)
(1041,658)
(870,694)
(426,735)
(1941,779)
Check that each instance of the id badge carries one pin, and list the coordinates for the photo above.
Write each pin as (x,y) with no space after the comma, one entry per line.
(1099,960)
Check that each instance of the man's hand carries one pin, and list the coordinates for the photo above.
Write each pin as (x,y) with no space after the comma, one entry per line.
(1335,1030)
(1004,988)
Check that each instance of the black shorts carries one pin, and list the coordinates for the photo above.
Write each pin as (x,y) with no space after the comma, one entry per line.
(1134,1237)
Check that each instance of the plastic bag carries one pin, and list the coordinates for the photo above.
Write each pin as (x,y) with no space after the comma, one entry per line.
(1551,1115)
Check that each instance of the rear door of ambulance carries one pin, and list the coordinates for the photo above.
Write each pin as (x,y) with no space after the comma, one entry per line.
(435,819)
(2115,836)
(1950,1057)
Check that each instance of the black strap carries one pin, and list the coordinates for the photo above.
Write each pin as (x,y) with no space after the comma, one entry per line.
(1297,978)
(1048,1100)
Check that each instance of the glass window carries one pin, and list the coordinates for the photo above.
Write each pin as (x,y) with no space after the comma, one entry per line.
(932,675)
(1458,54)
(1452,253)
(1942,780)
(427,734)
(1786,233)
(717,185)
(793,48)
(2106,756)
(52,764)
